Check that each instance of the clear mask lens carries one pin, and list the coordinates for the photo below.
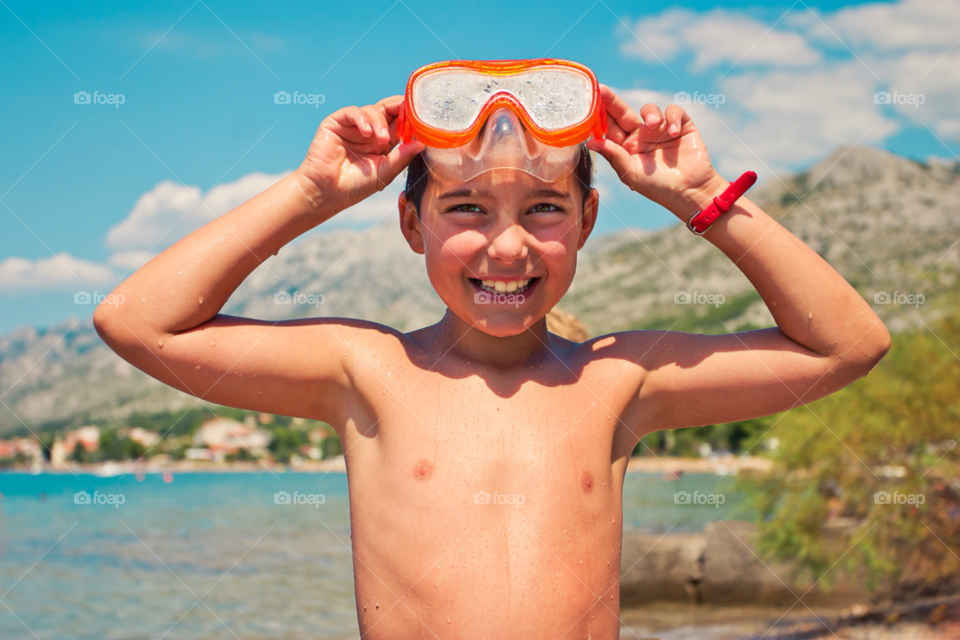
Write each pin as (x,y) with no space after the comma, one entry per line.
(503,143)
(554,98)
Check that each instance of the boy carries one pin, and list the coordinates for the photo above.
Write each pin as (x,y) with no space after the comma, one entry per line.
(486,403)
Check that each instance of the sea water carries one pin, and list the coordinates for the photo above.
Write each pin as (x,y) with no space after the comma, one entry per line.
(211,555)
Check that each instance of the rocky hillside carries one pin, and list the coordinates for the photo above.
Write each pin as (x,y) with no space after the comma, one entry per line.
(888,224)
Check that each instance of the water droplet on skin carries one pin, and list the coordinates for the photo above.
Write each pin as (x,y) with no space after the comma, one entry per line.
(448,619)
(201,299)
(581,562)
(142,300)
(212,343)
(810,315)
(384,392)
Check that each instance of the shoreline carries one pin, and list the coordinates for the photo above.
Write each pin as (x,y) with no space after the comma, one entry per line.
(719,465)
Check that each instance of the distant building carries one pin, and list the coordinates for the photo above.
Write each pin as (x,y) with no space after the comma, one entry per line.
(142,436)
(229,436)
(87,437)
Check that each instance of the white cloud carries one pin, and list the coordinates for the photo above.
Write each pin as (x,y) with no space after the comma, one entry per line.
(61,271)
(715,38)
(799,93)
(170,211)
(892,27)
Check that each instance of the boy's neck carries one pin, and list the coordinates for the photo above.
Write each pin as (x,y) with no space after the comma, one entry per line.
(458,338)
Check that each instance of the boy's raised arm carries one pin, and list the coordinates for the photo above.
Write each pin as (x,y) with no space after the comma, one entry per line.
(826,337)
(169,324)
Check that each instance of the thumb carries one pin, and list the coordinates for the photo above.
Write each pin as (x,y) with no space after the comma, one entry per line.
(616,155)
(396,161)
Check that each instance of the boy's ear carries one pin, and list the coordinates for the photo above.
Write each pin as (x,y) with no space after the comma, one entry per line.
(589,218)
(410,224)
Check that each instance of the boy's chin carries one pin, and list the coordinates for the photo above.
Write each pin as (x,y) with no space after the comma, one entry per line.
(503,324)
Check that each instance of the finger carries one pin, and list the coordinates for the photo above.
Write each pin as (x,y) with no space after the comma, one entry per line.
(651,115)
(390,105)
(351,124)
(378,121)
(619,110)
(617,156)
(676,118)
(396,161)
(614,132)
(351,118)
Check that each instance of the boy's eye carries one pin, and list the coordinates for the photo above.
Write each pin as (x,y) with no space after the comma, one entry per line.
(545,207)
(467,208)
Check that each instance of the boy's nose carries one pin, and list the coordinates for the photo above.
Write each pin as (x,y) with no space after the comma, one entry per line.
(509,245)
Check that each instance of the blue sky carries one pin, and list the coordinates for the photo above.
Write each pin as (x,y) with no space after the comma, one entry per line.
(89,190)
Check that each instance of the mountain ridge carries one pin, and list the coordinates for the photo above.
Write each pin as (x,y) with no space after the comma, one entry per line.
(885,222)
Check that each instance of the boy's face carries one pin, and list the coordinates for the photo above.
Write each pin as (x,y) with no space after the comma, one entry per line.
(500,249)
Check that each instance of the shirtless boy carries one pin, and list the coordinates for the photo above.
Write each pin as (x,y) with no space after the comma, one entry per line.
(486,401)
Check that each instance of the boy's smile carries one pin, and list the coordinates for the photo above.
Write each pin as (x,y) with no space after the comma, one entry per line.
(500,249)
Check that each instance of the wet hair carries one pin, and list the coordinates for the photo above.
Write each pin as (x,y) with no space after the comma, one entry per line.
(418,174)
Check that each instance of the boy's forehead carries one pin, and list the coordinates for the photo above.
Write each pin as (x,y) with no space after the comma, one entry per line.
(502,183)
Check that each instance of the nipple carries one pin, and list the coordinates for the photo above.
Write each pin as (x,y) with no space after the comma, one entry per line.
(422,470)
(586,481)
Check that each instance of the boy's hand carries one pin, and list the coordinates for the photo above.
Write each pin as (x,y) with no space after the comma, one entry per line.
(661,157)
(355,154)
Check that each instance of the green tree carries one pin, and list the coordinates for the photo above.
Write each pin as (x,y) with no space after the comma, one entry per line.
(894,432)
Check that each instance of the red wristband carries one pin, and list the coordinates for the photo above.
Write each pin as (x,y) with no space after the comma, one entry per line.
(703,220)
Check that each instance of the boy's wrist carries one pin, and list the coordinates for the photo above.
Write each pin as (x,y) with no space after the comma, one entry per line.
(317,202)
(696,199)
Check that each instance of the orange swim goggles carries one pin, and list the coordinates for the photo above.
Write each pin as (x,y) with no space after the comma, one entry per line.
(474,116)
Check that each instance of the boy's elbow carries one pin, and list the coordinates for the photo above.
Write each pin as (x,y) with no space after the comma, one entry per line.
(108,323)
(870,351)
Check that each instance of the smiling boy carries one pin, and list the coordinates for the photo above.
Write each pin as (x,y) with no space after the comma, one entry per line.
(486,456)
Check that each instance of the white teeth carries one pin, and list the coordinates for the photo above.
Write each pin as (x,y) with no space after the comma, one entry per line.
(499,286)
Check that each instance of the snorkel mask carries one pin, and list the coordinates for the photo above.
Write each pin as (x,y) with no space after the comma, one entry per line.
(531,115)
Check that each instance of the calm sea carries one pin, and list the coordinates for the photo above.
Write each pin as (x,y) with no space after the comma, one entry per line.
(211,555)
